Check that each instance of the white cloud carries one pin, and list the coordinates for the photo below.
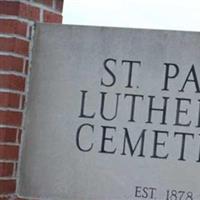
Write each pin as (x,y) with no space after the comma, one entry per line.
(162,14)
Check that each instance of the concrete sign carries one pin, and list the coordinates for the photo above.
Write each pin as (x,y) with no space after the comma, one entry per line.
(113,114)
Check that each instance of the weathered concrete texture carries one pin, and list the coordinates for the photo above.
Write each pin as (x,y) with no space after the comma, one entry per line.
(111,92)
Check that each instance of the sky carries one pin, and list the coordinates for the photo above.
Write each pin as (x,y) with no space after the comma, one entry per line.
(153,14)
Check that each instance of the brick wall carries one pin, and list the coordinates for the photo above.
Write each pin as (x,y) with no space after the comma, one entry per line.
(16,29)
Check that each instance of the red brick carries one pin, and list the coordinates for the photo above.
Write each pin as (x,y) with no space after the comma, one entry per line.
(12,82)
(5,198)
(51,17)
(20,136)
(21,47)
(20,9)
(59,5)
(9,197)
(6,169)
(9,100)
(9,152)
(8,134)
(13,27)
(7,186)
(14,45)
(9,8)
(11,118)
(11,63)
(29,12)
(45,2)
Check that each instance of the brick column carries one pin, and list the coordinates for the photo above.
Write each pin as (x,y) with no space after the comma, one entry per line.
(16,22)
